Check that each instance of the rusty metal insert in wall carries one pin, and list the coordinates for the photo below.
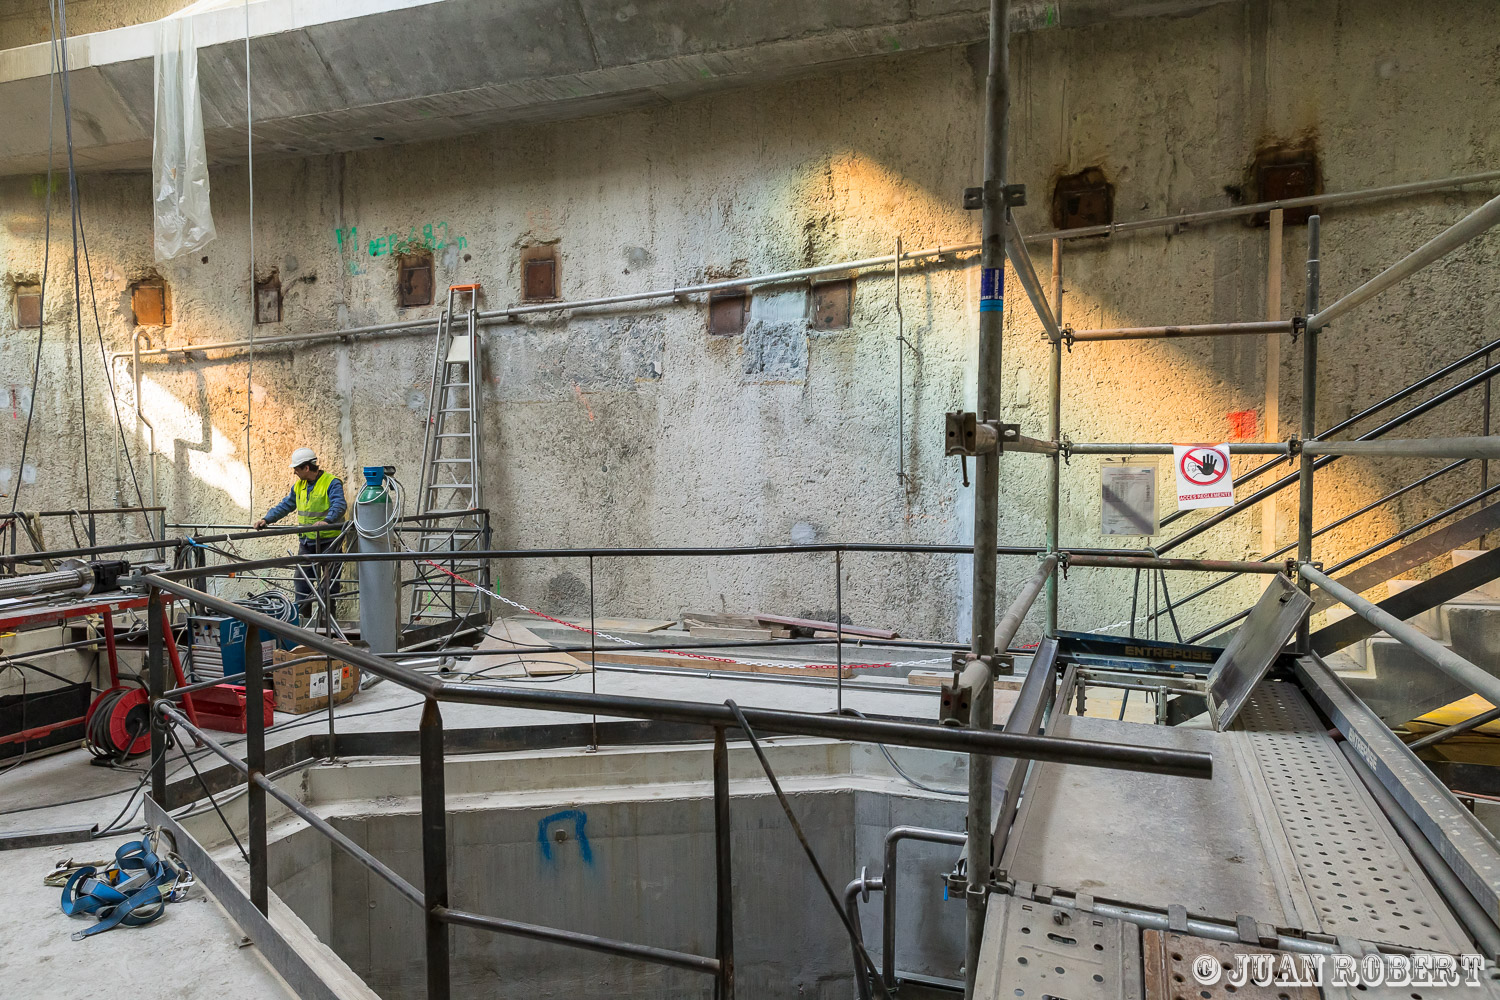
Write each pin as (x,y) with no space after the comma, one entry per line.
(414,279)
(28,307)
(268,300)
(727,311)
(1086,198)
(151,302)
(832,304)
(539,274)
(1281,172)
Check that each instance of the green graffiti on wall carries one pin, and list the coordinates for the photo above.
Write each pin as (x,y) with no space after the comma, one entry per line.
(434,236)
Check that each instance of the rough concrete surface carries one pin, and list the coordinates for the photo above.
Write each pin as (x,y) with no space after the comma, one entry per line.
(633,426)
(193,951)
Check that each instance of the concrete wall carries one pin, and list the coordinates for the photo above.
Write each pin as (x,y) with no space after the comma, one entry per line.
(635,427)
(642,871)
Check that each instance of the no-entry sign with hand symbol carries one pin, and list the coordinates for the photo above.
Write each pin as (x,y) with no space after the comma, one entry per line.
(1202,476)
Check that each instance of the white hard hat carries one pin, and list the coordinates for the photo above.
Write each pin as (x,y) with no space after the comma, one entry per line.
(302,455)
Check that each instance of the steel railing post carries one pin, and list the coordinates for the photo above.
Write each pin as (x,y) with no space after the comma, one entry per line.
(1054,433)
(1309,422)
(156,679)
(434,849)
(724,895)
(255,759)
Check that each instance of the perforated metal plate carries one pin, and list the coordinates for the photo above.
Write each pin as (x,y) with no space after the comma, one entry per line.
(1361,881)
(1033,951)
(1253,648)
(1168,960)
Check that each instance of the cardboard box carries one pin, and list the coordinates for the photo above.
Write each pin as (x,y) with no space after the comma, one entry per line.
(303,687)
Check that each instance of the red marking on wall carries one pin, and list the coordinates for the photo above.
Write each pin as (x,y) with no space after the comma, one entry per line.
(1244,425)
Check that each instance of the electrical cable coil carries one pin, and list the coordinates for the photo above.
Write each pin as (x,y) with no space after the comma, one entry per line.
(118,724)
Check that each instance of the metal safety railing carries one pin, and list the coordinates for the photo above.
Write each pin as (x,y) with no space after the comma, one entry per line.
(433,898)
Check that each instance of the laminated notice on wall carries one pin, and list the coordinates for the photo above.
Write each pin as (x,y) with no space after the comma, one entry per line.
(1129,501)
(1202,476)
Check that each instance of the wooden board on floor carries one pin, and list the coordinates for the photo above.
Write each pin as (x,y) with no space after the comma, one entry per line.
(720,632)
(509,635)
(937,678)
(662,659)
(809,625)
(611,624)
(714,619)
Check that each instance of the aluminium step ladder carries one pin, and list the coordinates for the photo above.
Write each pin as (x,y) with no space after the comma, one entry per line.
(450,497)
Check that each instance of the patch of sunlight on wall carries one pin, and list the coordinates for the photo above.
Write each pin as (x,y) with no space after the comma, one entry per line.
(221,465)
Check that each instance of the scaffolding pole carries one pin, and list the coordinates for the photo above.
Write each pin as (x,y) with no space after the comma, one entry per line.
(1476,223)
(1186,330)
(987,470)
(1309,407)
(1054,431)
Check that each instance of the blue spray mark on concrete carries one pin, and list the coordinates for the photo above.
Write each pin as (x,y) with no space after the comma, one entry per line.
(580,820)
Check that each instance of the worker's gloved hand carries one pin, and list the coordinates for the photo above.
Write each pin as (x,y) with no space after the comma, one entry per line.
(260,523)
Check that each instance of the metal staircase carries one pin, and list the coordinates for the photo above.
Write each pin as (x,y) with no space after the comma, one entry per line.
(449,496)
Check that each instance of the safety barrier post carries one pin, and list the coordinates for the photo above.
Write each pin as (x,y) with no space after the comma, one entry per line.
(255,760)
(724,897)
(434,849)
(1309,422)
(156,682)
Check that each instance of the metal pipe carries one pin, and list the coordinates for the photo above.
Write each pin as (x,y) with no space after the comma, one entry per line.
(893,840)
(1054,432)
(1476,921)
(1434,652)
(989,397)
(156,683)
(1414,484)
(1372,409)
(434,849)
(140,414)
(1020,259)
(1410,530)
(574,939)
(1457,447)
(77,579)
(1160,448)
(1324,201)
(1323,460)
(1139,563)
(1308,403)
(1192,330)
(860,886)
(255,760)
(934,737)
(724,873)
(1457,729)
(1475,224)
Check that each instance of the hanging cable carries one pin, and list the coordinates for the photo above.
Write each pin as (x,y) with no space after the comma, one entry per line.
(250,174)
(41,325)
(62,26)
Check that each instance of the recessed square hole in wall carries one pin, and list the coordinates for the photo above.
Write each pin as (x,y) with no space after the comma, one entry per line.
(414,279)
(28,307)
(539,274)
(832,304)
(1282,172)
(151,302)
(1086,198)
(727,311)
(268,300)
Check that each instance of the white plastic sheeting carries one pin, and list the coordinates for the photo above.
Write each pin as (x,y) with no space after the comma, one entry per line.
(179,162)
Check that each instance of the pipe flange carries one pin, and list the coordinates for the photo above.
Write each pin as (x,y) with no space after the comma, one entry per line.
(1293,446)
(1065,449)
(1068,338)
(1299,327)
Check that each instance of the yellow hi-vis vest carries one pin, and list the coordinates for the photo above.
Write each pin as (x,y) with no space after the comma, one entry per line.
(312,505)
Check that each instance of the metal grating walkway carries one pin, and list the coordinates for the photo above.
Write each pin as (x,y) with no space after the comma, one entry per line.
(1284,833)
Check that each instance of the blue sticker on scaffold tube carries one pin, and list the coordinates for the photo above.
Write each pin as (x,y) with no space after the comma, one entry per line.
(992,290)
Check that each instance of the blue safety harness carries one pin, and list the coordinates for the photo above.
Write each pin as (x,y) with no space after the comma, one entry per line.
(132,891)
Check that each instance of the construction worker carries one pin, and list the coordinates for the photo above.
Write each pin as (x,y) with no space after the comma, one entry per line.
(318,499)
